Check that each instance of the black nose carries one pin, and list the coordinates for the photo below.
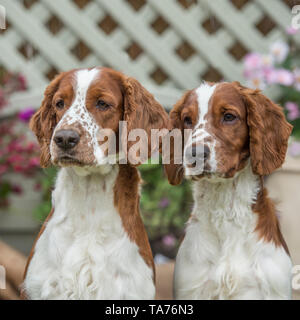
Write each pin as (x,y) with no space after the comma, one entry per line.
(66,139)
(202,151)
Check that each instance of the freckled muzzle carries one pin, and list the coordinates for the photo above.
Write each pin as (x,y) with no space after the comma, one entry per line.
(72,145)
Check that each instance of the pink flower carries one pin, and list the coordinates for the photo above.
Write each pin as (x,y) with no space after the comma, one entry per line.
(257,81)
(297,79)
(279,50)
(16,158)
(252,63)
(291,31)
(26,114)
(280,76)
(294,149)
(34,162)
(169,240)
(22,82)
(18,168)
(293,111)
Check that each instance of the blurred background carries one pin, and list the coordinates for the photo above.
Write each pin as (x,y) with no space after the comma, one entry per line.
(169,46)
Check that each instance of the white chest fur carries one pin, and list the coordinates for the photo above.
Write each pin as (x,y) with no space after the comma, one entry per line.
(84,252)
(221,256)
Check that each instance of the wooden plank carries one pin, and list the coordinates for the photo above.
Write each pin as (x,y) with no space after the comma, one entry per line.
(100,44)
(206,45)
(36,33)
(159,50)
(239,26)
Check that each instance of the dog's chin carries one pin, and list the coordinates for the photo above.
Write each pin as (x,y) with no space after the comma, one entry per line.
(195,173)
(212,176)
(205,174)
(200,176)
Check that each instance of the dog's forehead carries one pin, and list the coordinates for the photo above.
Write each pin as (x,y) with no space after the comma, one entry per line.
(203,96)
(78,79)
(227,94)
(84,78)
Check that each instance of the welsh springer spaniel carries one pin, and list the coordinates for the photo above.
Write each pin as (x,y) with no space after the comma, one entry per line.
(93,244)
(233,247)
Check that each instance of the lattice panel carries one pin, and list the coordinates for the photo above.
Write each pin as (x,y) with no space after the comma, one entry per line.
(169,43)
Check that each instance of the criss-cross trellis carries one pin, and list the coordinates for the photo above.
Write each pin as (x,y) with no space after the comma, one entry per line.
(169,45)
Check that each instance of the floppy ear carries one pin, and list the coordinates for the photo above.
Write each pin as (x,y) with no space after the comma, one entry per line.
(174,171)
(44,121)
(268,130)
(141,111)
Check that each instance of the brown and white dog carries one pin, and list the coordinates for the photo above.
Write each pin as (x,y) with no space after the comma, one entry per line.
(93,244)
(233,247)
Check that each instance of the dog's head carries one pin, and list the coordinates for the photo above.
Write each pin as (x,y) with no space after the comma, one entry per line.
(83,108)
(228,123)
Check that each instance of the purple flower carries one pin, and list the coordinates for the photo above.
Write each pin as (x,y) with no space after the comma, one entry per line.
(164,202)
(293,110)
(280,76)
(26,114)
(294,149)
(169,240)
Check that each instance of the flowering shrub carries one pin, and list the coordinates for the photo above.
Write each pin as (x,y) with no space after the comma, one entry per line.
(281,67)
(18,154)
(164,208)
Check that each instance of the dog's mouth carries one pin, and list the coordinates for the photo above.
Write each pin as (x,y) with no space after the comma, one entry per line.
(67,160)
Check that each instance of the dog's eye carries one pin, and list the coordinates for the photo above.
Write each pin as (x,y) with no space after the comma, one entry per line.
(228,117)
(188,121)
(102,105)
(60,104)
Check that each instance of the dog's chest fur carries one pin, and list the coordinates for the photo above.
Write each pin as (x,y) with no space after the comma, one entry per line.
(221,256)
(84,252)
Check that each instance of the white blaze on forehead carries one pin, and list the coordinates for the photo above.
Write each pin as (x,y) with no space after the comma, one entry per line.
(78,112)
(84,78)
(204,93)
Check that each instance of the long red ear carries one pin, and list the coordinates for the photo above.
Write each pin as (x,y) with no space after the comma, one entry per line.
(141,111)
(44,121)
(268,129)
(175,171)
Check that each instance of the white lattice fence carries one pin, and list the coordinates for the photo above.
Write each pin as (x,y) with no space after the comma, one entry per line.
(169,45)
